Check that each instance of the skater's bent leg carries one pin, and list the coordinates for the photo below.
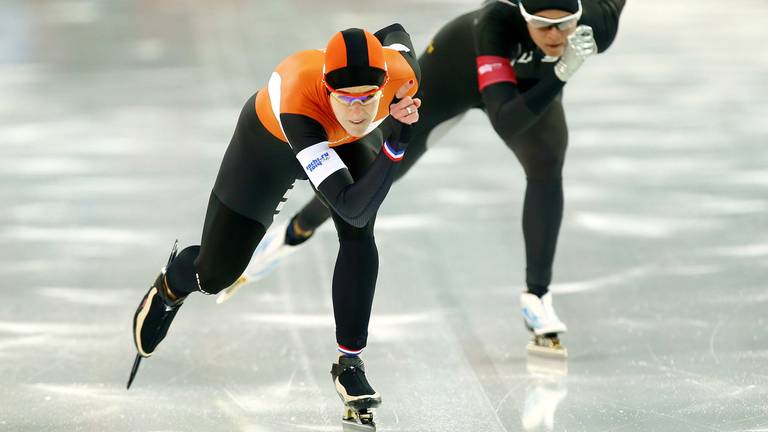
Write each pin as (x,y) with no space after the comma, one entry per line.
(541,150)
(228,242)
(354,283)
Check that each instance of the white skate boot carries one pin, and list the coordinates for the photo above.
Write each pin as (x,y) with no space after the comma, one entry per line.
(542,321)
(271,250)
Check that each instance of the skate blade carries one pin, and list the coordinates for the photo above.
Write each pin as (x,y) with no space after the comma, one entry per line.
(352,421)
(553,352)
(134,369)
(232,289)
(353,426)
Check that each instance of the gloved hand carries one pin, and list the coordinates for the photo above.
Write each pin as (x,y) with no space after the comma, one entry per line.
(581,44)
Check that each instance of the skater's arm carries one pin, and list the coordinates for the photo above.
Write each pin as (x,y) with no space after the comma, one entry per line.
(603,17)
(355,201)
(510,111)
(395,37)
(360,200)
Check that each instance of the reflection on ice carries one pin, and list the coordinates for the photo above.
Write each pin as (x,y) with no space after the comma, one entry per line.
(294,320)
(54,328)
(82,390)
(45,166)
(326,320)
(471,197)
(406,222)
(546,390)
(744,251)
(733,206)
(612,280)
(631,225)
(75,235)
(86,297)
(748,178)
(383,328)
(11,344)
(669,322)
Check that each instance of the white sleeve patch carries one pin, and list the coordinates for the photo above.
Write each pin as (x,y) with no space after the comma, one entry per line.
(319,162)
(398,47)
(273,90)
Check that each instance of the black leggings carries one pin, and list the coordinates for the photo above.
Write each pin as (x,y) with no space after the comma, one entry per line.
(449,89)
(257,172)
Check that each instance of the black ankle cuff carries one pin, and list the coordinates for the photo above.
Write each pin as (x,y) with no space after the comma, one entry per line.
(181,274)
(291,238)
(538,290)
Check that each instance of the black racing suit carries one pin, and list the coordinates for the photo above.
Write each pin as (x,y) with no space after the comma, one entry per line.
(256,174)
(528,115)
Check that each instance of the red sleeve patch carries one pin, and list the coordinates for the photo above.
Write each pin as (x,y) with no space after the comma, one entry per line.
(494,69)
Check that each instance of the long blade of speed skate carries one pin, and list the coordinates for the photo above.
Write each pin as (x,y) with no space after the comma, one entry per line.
(354,422)
(225,295)
(548,352)
(547,346)
(134,369)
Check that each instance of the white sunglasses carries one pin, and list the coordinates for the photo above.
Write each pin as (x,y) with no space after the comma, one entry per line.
(564,23)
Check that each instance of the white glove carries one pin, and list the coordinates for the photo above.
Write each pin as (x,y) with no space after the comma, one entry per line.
(581,44)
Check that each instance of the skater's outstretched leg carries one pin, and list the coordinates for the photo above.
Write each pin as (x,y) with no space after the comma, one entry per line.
(541,150)
(228,241)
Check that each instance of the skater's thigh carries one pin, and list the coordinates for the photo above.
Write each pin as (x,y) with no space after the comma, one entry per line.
(255,177)
(229,239)
(541,148)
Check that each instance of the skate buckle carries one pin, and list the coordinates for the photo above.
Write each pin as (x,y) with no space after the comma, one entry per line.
(358,421)
(547,345)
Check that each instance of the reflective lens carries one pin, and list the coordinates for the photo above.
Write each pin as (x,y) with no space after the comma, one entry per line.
(563,26)
(363,99)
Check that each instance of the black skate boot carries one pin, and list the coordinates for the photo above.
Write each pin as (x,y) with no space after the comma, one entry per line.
(356,393)
(153,317)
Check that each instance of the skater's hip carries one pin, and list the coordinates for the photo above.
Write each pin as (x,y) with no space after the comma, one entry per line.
(257,170)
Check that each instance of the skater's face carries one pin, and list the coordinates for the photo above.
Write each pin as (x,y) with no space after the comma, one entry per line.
(549,37)
(356,107)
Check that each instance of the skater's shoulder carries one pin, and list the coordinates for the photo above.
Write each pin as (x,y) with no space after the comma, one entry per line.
(500,21)
(501,8)
(398,68)
(302,68)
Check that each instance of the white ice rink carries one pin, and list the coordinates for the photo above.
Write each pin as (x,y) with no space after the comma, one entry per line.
(114,116)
